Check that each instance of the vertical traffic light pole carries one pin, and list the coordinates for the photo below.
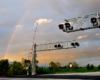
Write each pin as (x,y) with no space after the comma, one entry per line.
(34,59)
(98,18)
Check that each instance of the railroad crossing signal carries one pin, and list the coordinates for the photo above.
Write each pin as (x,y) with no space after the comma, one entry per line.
(81,23)
(94,21)
(27,61)
(75,44)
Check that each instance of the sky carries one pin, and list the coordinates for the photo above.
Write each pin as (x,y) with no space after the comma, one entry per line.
(18,20)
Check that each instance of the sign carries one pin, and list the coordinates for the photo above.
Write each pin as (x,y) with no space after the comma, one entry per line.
(28,64)
(26,68)
(70,65)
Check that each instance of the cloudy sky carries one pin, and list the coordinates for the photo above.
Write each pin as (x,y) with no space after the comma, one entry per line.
(18,20)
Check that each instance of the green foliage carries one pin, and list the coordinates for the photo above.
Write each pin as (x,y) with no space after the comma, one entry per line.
(74,65)
(40,71)
(54,66)
(92,66)
(88,67)
(98,66)
(4,66)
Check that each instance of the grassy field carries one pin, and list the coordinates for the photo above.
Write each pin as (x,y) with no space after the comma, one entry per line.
(66,70)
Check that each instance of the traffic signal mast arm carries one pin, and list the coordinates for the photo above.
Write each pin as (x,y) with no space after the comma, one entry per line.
(58,45)
(81,23)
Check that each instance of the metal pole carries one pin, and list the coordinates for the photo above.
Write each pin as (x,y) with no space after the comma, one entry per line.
(28,71)
(33,60)
(98,18)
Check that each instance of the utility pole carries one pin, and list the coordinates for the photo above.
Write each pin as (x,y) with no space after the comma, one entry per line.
(34,59)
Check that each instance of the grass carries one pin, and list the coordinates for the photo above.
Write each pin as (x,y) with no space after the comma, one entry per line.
(66,70)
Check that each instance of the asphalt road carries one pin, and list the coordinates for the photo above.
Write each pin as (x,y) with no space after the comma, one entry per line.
(80,76)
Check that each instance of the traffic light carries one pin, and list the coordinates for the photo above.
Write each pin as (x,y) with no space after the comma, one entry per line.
(61,26)
(75,44)
(55,46)
(72,44)
(94,21)
(67,25)
(58,46)
(27,61)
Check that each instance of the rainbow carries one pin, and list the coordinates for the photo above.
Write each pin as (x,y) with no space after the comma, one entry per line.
(12,36)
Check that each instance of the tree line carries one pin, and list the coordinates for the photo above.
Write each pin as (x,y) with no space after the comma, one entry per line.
(19,68)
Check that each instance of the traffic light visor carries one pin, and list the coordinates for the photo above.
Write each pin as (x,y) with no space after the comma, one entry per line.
(93,20)
(67,25)
(59,45)
(72,44)
(55,46)
(28,61)
(61,26)
(77,44)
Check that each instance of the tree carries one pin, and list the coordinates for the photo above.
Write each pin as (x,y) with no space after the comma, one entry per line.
(4,66)
(54,66)
(74,65)
(88,67)
(98,66)
(92,66)
(17,68)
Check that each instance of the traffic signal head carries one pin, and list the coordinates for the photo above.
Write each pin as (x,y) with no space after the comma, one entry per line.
(55,46)
(28,61)
(25,61)
(94,21)
(61,26)
(76,43)
(67,25)
(59,45)
(72,44)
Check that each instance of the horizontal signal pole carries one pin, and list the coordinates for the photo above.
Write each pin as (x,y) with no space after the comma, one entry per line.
(82,29)
(55,49)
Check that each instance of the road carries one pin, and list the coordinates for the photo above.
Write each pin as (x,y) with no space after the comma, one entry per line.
(68,76)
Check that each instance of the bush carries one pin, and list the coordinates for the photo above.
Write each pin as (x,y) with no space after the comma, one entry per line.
(40,71)
(98,66)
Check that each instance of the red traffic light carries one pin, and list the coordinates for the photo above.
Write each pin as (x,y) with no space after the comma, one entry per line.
(61,26)
(67,25)
(28,61)
(93,20)
(25,61)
